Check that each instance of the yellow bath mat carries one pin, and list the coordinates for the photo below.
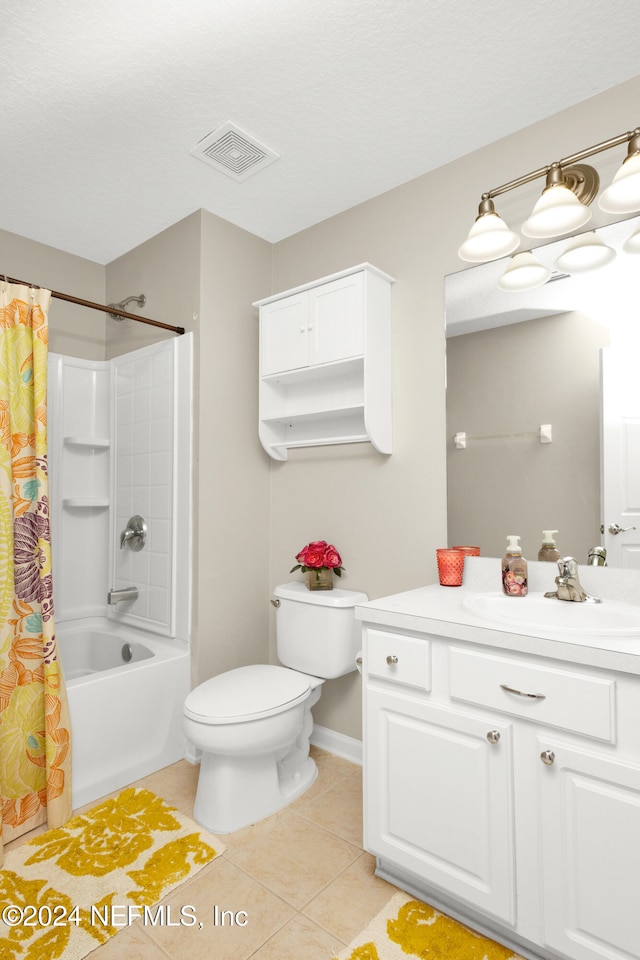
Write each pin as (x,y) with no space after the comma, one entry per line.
(408,928)
(67,891)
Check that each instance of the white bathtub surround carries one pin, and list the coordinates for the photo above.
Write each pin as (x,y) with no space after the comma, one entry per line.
(79,451)
(120,445)
(152,476)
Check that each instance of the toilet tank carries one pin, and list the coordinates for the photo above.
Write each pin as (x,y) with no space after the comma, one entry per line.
(316,630)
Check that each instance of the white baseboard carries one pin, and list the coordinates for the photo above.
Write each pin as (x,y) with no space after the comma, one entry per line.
(192,754)
(337,743)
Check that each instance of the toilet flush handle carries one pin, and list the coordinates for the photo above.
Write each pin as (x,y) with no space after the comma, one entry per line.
(276,602)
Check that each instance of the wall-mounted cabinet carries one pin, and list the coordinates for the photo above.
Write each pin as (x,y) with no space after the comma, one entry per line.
(325,363)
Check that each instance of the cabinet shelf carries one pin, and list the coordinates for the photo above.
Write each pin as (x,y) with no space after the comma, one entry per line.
(352,366)
(86,503)
(97,443)
(325,415)
(343,426)
(325,363)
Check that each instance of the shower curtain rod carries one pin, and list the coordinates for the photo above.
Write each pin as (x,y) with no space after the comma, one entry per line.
(101,306)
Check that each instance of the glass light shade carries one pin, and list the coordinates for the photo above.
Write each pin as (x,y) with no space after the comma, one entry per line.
(557,211)
(489,239)
(632,245)
(584,253)
(524,273)
(623,196)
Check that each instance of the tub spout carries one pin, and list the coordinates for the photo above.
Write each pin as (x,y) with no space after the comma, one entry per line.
(126,593)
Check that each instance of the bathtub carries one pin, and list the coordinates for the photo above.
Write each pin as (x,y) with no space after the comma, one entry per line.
(126,690)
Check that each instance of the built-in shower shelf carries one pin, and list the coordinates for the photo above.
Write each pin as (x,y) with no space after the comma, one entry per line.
(98,443)
(86,503)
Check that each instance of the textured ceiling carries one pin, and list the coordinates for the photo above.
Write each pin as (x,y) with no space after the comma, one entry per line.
(104,101)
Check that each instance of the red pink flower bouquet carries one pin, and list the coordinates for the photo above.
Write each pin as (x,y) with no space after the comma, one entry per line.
(319,555)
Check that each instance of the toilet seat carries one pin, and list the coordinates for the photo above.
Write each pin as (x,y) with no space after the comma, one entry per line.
(247,693)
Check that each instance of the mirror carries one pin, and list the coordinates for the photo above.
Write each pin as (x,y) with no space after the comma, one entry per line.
(517,362)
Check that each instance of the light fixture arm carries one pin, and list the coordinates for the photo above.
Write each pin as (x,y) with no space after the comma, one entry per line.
(632,137)
(563,207)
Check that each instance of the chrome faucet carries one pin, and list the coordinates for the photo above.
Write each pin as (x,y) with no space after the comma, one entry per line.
(125,593)
(568,584)
(597,557)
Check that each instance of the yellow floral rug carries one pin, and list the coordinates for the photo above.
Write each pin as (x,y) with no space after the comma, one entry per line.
(408,928)
(67,891)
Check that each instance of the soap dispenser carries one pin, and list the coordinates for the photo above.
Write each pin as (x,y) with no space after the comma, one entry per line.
(514,569)
(548,550)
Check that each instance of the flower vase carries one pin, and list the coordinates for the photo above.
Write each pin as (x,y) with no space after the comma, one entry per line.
(320,579)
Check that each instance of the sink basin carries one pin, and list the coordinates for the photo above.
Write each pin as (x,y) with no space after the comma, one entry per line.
(537,612)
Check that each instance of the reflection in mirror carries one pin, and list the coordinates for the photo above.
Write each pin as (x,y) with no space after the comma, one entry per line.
(517,361)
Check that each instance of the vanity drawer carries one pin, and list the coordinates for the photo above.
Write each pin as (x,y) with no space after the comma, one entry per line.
(393,656)
(546,694)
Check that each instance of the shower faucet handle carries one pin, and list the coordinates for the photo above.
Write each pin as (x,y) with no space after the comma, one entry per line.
(134,535)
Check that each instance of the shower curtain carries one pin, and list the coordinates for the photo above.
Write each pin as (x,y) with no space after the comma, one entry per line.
(35,747)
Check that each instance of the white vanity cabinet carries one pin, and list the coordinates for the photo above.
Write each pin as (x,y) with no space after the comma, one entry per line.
(439,797)
(590,841)
(325,363)
(503,786)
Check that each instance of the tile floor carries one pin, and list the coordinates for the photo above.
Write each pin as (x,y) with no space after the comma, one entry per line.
(301,875)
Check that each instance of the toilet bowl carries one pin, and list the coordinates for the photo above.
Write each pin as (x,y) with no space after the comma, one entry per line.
(253,724)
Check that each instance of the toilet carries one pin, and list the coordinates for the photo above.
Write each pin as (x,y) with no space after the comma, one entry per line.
(253,724)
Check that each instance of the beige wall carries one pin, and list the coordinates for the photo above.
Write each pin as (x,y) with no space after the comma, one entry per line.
(502,384)
(385,514)
(233,520)
(166,269)
(73,330)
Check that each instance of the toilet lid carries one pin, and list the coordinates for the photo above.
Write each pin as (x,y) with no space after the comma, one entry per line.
(246,693)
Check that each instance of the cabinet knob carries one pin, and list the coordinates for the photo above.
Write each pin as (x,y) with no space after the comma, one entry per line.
(391,659)
(493,736)
(547,757)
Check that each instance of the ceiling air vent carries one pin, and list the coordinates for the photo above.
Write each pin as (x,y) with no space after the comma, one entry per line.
(234,152)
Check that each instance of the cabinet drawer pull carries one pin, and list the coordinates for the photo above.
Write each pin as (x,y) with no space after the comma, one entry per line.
(391,659)
(493,736)
(547,757)
(520,693)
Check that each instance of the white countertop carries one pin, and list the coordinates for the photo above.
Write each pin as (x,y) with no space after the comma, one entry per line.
(441,611)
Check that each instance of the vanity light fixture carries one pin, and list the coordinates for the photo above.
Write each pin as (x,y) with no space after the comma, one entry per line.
(489,237)
(524,273)
(585,252)
(561,210)
(632,245)
(564,205)
(623,196)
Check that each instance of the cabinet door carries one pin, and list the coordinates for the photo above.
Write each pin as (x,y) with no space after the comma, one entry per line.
(438,798)
(590,831)
(336,320)
(284,337)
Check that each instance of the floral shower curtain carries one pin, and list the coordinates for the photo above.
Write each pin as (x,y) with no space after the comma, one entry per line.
(35,747)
